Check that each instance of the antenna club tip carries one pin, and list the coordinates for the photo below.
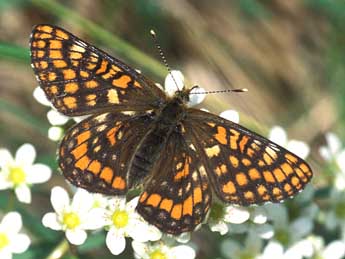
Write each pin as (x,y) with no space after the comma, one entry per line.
(245,90)
(152,32)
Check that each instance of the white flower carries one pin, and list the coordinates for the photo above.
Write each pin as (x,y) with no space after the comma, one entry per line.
(333,154)
(11,241)
(221,216)
(288,240)
(174,81)
(231,115)
(335,216)
(333,250)
(160,250)
(278,135)
(123,221)
(73,217)
(19,173)
(250,248)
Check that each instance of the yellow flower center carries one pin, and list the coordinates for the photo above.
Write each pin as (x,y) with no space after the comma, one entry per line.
(157,255)
(4,241)
(71,220)
(120,218)
(17,175)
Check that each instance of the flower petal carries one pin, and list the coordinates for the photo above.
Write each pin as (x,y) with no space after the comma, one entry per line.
(334,250)
(278,135)
(25,155)
(56,118)
(23,193)
(333,142)
(20,243)
(76,236)
(194,97)
(11,223)
(174,81)
(299,148)
(236,215)
(265,231)
(95,219)
(50,220)
(301,227)
(140,249)
(183,251)
(230,115)
(5,157)
(40,96)
(38,173)
(115,243)
(4,183)
(82,201)
(55,133)
(220,227)
(259,216)
(59,199)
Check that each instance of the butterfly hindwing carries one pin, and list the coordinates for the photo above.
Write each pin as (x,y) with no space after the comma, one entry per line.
(80,79)
(95,154)
(244,167)
(177,196)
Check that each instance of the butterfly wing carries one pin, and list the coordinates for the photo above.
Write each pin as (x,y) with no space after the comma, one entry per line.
(96,153)
(177,196)
(244,167)
(78,78)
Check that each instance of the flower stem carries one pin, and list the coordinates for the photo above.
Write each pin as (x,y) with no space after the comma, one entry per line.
(59,250)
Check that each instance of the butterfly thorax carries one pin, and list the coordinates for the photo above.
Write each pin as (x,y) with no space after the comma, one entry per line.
(167,121)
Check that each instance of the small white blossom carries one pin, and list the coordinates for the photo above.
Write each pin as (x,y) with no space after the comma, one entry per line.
(123,221)
(333,250)
(230,115)
(174,81)
(160,250)
(288,240)
(11,241)
(279,136)
(221,216)
(19,173)
(73,217)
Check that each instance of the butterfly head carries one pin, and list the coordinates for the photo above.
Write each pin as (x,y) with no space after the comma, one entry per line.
(183,96)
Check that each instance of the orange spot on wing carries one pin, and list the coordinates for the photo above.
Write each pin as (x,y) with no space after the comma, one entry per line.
(154,200)
(45,28)
(136,84)
(176,212)
(122,82)
(68,74)
(188,206)
(249,195)
(269,177)
(229,187)
(107,174)
(83,137)
(254,174)
(287,169)
(166,205)
(70,102)
(280,176)
(95,167)
(220,136)
(243,142)
(291,158)
(55,44)
(91,84)
(82,163)
(71,88)
(119,183)
(79,151)
(61,34)
(103,67)
(59,63)
(197,195)
(143,197)
(234,161)
(241,179)
(55,54)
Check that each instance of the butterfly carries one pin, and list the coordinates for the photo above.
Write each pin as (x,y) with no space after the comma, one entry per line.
(137,136)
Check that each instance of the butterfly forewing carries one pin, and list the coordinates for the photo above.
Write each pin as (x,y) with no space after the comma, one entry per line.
(244,167)
(80,79)
(177,196)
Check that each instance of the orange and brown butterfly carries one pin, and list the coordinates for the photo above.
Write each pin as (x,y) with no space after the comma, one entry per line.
(137,136)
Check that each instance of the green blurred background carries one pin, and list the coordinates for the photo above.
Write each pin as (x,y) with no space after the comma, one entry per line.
(289,54)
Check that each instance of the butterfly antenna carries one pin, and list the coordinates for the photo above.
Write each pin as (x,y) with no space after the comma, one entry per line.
(240,90)
(161,54)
